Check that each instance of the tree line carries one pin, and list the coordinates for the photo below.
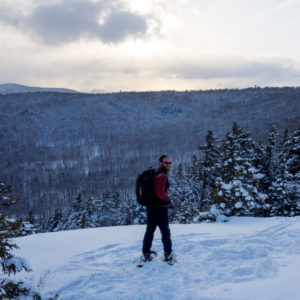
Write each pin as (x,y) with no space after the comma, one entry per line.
(238,177)
(235,176)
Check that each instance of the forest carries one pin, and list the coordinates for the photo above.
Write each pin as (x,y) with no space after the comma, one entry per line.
(234,176)
(56,148)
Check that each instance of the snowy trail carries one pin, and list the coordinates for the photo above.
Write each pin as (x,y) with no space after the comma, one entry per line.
(245,258)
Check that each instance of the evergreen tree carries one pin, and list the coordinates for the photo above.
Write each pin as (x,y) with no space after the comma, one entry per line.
(77,204)
(267,158)
(118,218)
(194,171)
(10,265)
(277,189)
(96,207)
(91,212)
(106,209)
(78,216)
(176,190)
(285,188)
(237,185)
(56,222)
(208,166)
(30,217)
(136,212)
(186,212)
(177,193)
(125,212)
(185,193)
(270,158)
(193,184)
(25,228)
(293,167)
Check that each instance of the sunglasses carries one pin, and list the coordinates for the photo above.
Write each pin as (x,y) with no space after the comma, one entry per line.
(167,162)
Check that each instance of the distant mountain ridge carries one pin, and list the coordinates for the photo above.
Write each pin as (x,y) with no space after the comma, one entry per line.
(13,88)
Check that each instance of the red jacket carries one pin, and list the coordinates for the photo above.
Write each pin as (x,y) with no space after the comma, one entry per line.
(161,185)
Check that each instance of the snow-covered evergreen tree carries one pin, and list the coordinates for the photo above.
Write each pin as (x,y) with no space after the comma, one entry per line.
(25,228)
(266,161)
(79,217)
(11,288)
(293,166)
(208,165)
(57,221)
(136,212)
(176,190)
(185,213)
(270,158)
(185,193)
(181,191)
(193,183)
(237,185)
(30,217)
(91,212)
(106,209)
(285,189)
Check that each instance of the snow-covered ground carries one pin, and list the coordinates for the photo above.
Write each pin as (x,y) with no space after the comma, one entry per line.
(245,258)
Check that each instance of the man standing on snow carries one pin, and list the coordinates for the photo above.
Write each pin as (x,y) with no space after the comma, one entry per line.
(157,213)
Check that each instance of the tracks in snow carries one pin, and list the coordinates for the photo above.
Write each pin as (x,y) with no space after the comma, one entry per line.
(204,261)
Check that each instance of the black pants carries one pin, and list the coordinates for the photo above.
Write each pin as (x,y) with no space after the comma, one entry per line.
(157,216)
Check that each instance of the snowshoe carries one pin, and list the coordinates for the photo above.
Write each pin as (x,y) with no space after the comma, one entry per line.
(169,259)
(146,258)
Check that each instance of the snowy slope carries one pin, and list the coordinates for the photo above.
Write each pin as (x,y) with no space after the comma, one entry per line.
(246,258)
(13,88)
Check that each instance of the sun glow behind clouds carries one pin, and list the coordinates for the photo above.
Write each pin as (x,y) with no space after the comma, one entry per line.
(144,6)
(143,50)
(178,44)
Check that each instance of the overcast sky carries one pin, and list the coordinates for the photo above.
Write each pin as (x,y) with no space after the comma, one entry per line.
(128,45)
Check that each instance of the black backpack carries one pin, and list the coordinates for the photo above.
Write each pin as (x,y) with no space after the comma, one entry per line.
(144,187)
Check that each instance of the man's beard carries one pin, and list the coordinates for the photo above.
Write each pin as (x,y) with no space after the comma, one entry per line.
(165,169)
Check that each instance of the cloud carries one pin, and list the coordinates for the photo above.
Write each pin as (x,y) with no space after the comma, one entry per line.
(66,21)
(218,68)
(284,4)
(120,24)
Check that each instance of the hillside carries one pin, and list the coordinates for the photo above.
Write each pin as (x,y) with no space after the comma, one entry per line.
(13,88)
(245,258)
(56,144)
